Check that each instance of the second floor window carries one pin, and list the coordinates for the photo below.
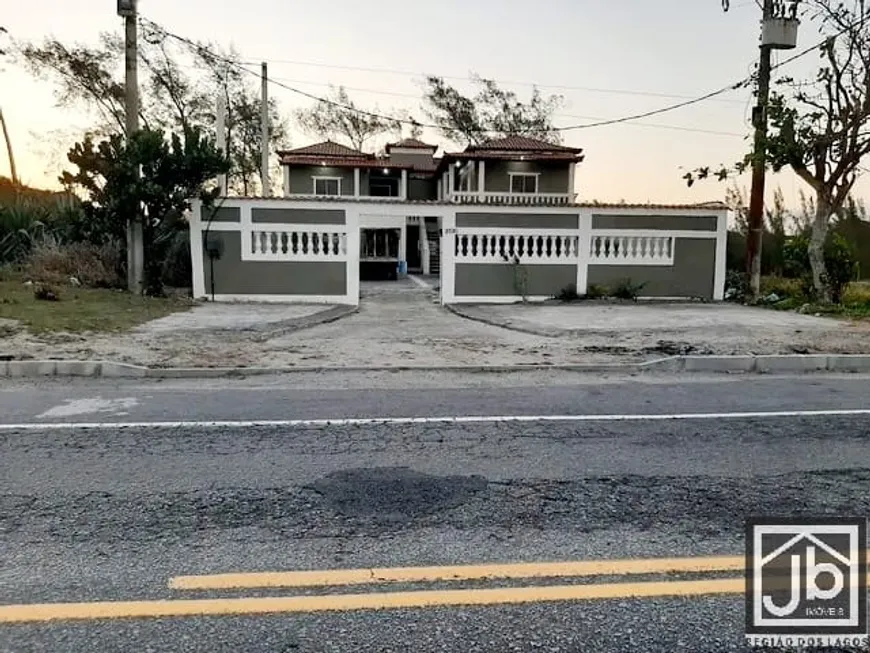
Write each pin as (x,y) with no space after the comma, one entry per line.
(522,183)
(327,186)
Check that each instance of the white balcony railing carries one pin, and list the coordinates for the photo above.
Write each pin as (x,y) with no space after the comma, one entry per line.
(516,199)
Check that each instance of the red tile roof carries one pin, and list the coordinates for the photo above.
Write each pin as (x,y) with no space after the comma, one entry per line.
(326,148)
(521,144)
(412,144)
(343,162)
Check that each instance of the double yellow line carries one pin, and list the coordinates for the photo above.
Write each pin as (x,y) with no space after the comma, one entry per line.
(402,599)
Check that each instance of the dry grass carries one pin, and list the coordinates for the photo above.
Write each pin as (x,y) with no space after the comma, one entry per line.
(80,309)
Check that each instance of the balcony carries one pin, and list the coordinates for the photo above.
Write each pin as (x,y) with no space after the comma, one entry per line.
(511,199)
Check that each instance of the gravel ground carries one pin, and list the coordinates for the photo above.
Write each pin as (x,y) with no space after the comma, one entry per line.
(401,323)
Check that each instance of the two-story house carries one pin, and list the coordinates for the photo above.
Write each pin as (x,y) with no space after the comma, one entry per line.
(497,222)
(509,171)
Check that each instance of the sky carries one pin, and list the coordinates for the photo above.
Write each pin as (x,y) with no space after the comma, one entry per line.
(607,58)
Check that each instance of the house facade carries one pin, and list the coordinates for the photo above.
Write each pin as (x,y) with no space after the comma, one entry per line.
(496,222)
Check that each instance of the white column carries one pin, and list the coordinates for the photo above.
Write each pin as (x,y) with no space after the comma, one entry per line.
(403,193)
(451,180)
(196,249)
(356,182)
(403,242)
(286,180)
(424,246)
(584,239)
(481,178)
(721,249)
(448,266)
(246,226)
(352,224)
(572,170)
(439,191)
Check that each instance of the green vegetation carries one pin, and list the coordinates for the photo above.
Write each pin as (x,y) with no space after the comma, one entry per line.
(78,309)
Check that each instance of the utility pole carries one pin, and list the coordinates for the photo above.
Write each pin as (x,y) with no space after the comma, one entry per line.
(9,150)
(222,138)
(264,143)
(759,165)
(135,246)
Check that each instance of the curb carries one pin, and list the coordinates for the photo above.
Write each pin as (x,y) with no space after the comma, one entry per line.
(768,364)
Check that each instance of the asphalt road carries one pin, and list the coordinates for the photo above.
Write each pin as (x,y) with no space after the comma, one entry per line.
(114,513)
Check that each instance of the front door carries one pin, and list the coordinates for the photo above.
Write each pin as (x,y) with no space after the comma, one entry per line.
(412,248)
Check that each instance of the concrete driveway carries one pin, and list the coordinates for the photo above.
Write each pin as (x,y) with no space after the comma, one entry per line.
(685,327)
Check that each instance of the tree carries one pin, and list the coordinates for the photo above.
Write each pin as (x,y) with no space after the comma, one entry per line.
(173,171)
(821,128)
(172,100)
(337,117)
(491,113)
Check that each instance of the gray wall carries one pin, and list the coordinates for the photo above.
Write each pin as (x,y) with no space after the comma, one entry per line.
(422,189)
(298,216)
(691,275)
(519,220)
(474,279)
(222,214)
(236,277)
(301,179)
(675,222)
(553,179)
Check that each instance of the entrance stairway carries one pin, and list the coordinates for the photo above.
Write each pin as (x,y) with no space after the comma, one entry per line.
(433,235)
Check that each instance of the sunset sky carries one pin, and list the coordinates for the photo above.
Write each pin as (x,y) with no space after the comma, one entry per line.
(608,59)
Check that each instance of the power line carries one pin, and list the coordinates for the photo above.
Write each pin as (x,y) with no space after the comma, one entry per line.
(562,115)
(602,123)
(410,73)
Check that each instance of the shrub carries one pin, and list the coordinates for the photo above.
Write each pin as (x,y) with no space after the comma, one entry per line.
(568,293)
(91,265)
(839,262)
(45,293)
(857,294)
(736,285)
(594,291)
(625,289)
(782,287)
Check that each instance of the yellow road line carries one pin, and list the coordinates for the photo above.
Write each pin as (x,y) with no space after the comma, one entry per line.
(373,601)
(340,577)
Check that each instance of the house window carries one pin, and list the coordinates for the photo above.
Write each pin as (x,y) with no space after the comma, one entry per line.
(524,183)
(327,185)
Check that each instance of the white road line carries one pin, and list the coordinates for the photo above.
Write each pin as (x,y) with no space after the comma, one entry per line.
(399,421)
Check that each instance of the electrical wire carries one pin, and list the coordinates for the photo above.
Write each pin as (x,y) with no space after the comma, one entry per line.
(601,123)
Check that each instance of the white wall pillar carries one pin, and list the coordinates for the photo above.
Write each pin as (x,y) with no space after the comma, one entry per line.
(584,242)
(424,246)
(352,218)
(403,191)
(356,192)
(721,251)
(196,249)
(439,191)
(448,265)
(403,242)
(572,171)
(481,178)
(451,179)
(286,180)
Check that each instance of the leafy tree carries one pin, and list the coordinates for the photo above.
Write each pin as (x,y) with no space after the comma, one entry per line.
(173,171)
(336,117)
(491,113)
(172,100)
(821,128)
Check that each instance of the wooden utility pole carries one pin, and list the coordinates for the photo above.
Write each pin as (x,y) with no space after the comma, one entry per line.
(759,166)
(264,142)
(135,245)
